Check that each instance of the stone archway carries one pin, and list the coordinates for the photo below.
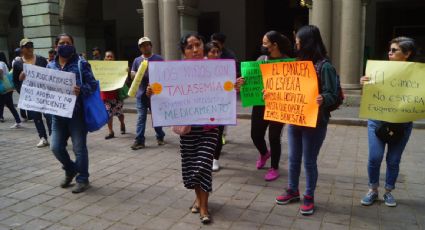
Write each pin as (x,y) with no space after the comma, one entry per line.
(10,26)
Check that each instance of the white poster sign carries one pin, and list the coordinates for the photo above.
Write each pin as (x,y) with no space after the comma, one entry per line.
(193,92)
(47,91)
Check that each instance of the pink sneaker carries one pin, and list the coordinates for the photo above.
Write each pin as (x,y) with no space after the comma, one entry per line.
(272,174)
(263,159)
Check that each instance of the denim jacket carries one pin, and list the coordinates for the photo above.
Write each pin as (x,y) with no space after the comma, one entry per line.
(89,84)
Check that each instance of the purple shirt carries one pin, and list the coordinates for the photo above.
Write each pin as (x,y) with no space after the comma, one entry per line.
(145,80)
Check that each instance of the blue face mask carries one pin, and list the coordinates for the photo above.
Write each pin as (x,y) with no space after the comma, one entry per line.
(66,51)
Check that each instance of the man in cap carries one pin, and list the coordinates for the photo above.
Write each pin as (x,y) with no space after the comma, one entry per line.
(143,101)
(96,54)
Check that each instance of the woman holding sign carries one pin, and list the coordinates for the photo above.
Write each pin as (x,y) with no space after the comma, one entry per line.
(401,49)
(275,46)
(305,142)
(63,128)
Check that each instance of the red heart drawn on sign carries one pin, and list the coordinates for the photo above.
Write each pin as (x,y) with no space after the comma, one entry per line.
(212,119)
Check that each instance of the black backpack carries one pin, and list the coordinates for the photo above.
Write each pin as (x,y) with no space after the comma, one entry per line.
(340,100)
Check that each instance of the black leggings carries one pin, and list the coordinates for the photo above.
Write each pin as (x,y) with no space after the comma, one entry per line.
(7,100)
(258,131)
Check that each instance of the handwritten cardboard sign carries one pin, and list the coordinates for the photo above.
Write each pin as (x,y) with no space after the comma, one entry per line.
(111,74)
(395,93)
(47,91)
(193,92)
(252,89)
(291,91)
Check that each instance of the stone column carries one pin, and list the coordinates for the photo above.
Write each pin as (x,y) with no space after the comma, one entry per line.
(151,23)
(171,31)
(321,17)
(41,23)
(351,50)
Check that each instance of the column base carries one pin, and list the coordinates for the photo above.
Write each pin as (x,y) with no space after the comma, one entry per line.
(351,86)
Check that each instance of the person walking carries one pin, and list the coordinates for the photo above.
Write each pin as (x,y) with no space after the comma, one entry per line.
(6,97)
(112,103)
(142,100)
(62,127)
(274,46)
(305,142)
(28,57)
(401,49)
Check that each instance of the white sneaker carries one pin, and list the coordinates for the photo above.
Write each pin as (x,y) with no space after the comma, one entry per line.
(215,166)
(16,126)
(43,143)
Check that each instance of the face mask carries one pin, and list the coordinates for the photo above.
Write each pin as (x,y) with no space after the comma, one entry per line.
(66,51)
(265,50)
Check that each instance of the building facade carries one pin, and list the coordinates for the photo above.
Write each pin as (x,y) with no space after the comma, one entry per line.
(353,30)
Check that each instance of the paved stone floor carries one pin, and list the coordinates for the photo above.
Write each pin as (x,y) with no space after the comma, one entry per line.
(143,189)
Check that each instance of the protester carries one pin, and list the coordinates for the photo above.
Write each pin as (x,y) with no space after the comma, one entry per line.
(305,142)
(212,51)
(51,56)
(275,46)
(143,101)
(96,54)
(6,96)
(198,146)
(401,49)
(28,57)
(74,127)
(112,103)
(220,40)
(17,83)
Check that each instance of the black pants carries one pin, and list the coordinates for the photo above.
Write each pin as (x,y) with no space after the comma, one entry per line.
(258,130)
(219,143)
(7,100)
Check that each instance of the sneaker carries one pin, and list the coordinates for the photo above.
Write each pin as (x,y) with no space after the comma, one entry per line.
(16,126)
(109,136)
(160,142)
(136,145)
(370,197)
(67,180)
(272,174)
(261,161)
(307,208)
(215,166)
(223,139)
(43,143)
(288,197)
(81,187)
(389,200)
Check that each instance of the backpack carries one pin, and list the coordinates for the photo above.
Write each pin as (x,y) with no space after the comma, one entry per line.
(340,92)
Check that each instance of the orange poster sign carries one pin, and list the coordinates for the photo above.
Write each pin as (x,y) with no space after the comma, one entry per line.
(291,90)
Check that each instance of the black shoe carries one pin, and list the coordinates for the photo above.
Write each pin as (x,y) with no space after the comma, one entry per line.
(1,119)
(81,187)
(123,129)
(136,145)
(111,135)
(67,180)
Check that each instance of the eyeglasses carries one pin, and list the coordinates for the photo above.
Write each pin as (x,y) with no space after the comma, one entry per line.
(393,50)
(29,45)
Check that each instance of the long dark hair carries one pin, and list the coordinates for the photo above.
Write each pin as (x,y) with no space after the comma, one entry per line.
(311,44)
(285,46)
(63,35)
(406,45)
(183,40)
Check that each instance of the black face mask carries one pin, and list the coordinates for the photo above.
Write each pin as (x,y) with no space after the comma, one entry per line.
(265,50)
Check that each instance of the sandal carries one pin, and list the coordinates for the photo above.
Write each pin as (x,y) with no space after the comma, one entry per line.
(111,135)
(205,219)
(194,208)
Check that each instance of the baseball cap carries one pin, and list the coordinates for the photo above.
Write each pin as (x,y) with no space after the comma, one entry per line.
(144,39)
(25,41)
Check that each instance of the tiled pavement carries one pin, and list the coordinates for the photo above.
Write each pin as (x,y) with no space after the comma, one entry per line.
(143,189)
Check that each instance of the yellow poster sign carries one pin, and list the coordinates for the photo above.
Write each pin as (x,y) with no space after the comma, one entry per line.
(111,74)
(291,91)
(395,92)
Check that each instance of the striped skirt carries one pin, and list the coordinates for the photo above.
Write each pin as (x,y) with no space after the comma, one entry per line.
(197,151)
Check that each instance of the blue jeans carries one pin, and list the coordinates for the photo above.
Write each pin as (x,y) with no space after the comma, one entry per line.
(39,124)
(62,129)
(142,112)
(304,142)
(376,155)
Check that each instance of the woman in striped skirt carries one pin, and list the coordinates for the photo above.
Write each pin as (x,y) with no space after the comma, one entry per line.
(198,146)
